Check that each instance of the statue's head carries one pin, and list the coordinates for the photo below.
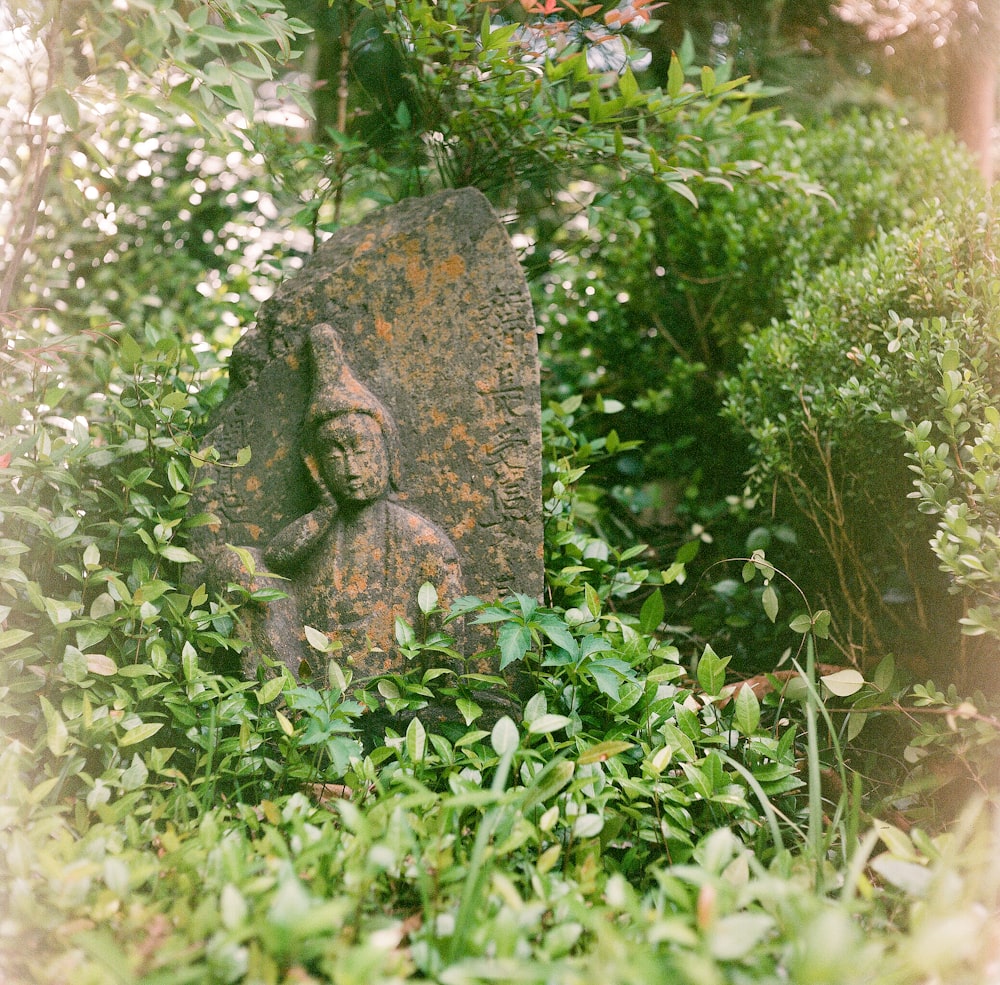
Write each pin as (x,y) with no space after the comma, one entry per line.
(351,442)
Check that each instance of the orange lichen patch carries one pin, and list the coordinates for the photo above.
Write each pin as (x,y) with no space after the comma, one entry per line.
(438,417)
(365,245)
(473,497)
(449,270)
(416,277)
(254,531)
(253,483)
(383,329)
(280,454)
(292,361)
(462,528)
(459,434)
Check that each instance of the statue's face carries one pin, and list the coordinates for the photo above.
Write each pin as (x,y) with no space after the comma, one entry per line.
(352,458)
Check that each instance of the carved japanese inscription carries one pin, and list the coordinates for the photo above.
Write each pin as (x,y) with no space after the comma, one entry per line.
(389,397)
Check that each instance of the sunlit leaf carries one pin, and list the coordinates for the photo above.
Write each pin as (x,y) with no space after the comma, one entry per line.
(844,683)
(504,737)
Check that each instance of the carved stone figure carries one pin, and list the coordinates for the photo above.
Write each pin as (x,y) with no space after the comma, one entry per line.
(357,561)
(389,396)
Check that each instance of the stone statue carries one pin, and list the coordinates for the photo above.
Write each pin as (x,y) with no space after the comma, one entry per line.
(357,561)
(389,396)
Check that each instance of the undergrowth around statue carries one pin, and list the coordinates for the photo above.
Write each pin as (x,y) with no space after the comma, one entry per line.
(644,813)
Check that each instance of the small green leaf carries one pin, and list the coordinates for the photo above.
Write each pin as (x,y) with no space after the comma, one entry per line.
(603,751)
(712,671)
(336,677)
(514,640)
(56,733)
(470,711)
(797,689)
(129,353)
(885,673)
(504,737)
(800,624)
(388,689)
(11,637)
(844,682)
(140,733)
(268,594)
(588,826)
(855,723)
(547,724)
(427,598)
(404,633)
(174,401)
(416,740)
(102,665)
(179,554)
(747,714)
(557,631)
(550,783)
(189,662)
(627,85)
(270,690)
(769,599)
(317,640)
(246,559)
(536,707)
(651,613)
(675,77)
(821,624)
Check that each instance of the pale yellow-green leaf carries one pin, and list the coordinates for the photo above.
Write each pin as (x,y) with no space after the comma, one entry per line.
(844,683)
(102,665)
(140,733)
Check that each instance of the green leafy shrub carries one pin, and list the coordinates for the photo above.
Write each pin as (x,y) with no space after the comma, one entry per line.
(650,304)
(623,292)
(872,406)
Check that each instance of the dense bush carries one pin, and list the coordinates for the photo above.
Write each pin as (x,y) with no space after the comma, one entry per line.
(623,294)
(872,405)
(171,822)
(651,306)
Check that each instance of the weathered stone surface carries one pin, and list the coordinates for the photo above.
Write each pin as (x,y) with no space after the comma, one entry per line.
(410,336)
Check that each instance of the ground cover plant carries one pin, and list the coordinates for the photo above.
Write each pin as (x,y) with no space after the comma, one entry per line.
(648,813)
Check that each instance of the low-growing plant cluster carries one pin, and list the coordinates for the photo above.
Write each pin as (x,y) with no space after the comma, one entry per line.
(167,821)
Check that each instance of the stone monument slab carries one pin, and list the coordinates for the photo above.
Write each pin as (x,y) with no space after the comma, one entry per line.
(389,396)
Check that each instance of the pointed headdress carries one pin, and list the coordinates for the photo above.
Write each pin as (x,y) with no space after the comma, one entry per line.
(336,392)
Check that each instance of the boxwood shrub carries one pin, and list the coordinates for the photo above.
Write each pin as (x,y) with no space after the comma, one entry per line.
(872,407)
